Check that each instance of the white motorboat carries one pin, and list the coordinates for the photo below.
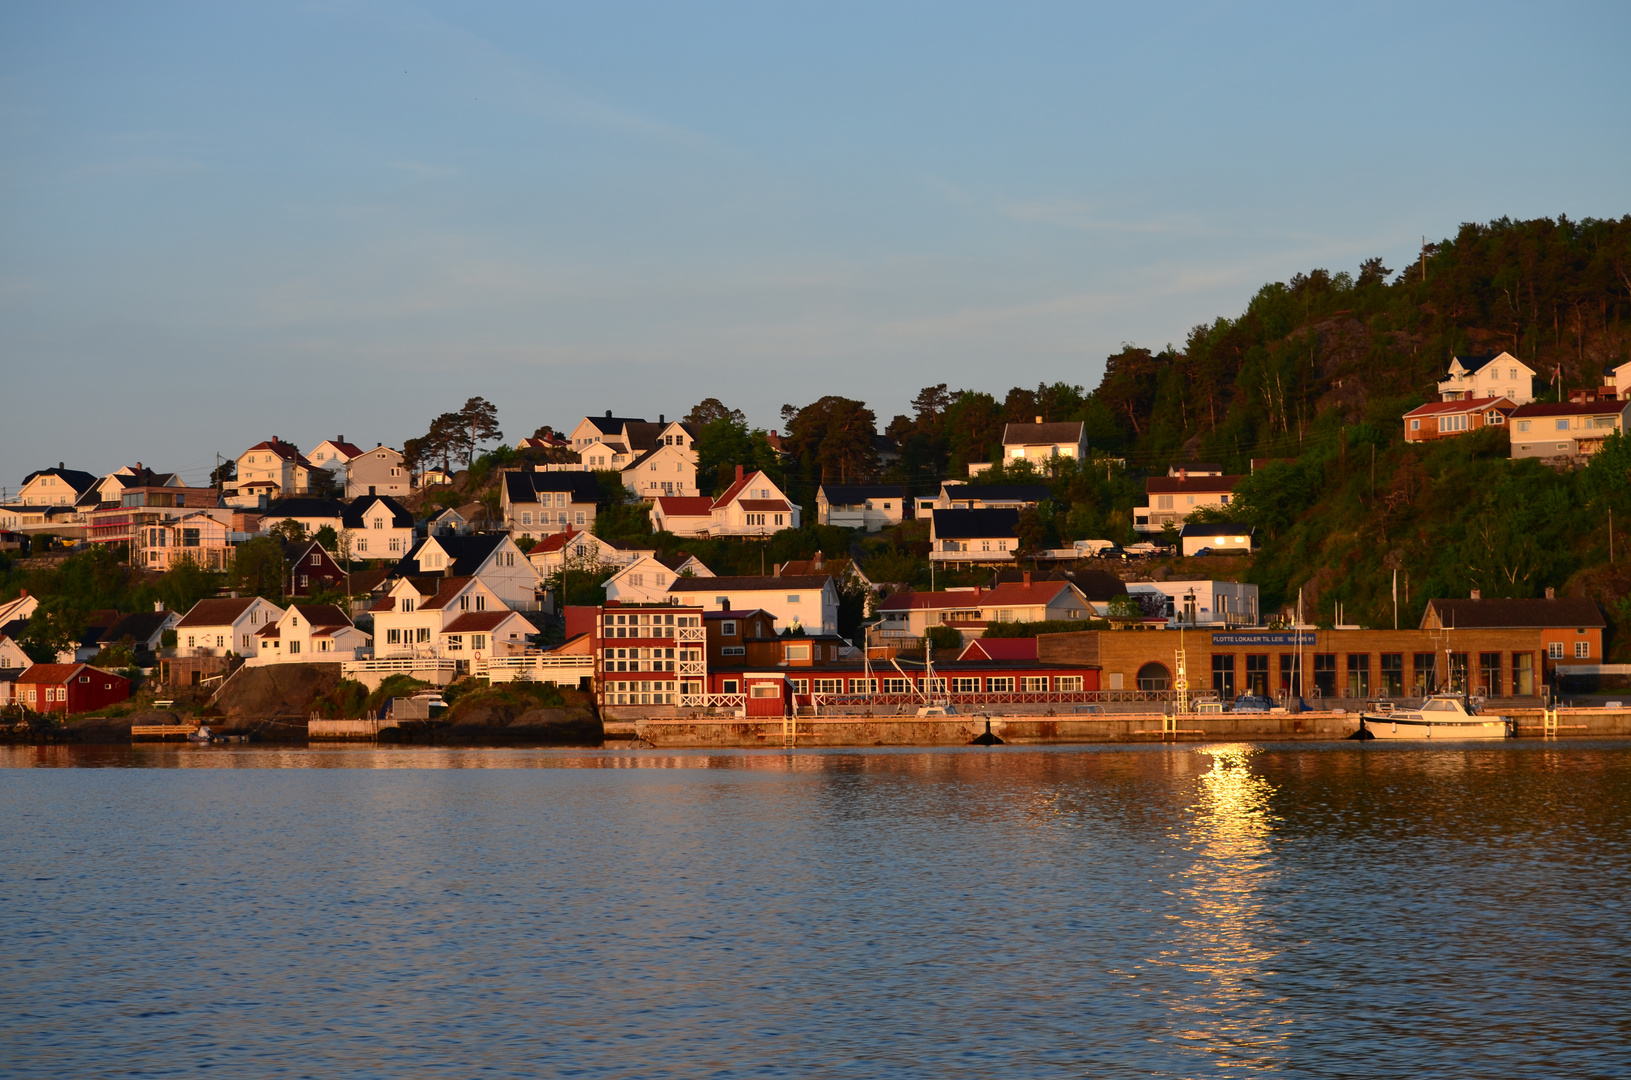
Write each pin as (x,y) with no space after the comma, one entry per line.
(203,734)
(1441,716)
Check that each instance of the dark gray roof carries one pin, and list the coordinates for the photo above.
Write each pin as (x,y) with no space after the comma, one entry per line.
(975,524)
(1093,584)
(1037,434)
(304,508)
(523,487)
(139,626)
(74,478)
(1520,614)
(1471,364)
(466,552)
(848,494)
(610,425)
(354,517)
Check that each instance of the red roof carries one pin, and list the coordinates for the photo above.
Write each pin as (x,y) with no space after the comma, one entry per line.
(216,612)
(923,601)
(735,489)
(281,449)
(445,592)
(348,449)
(765,504)
(479,622)
(52,674)
(1469,405)
(1573,408)
(1171,485)
(685,505)
(1014,648)
(554,541)
(1018,594)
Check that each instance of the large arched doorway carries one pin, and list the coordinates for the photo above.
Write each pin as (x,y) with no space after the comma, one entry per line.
(1153,676)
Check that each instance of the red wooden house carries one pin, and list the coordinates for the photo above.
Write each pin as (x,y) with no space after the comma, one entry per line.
(69,688)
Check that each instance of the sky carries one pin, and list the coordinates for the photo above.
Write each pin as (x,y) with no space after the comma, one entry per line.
(224,222)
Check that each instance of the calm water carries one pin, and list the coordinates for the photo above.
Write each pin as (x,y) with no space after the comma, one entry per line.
(1324,911)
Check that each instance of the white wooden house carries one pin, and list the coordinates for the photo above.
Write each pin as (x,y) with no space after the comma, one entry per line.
(646,580)
(492,558)
(309,634)
(219,627)
(752,506)
(1493,375)
(379,527)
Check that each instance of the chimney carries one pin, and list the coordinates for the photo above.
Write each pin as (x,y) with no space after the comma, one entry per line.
(1476,594)
(660,419)
(1551,593)
(776,569)
(739,472)
(608,414)
(1026,577)
(1039,419)
(60,465)
(158,605)
(819,560)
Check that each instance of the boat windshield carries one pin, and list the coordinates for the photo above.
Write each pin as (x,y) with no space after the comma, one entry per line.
(1438,705)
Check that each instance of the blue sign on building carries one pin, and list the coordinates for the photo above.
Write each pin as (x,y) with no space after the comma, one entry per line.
(1276,637)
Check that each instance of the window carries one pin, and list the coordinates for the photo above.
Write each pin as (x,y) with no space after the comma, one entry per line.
(1257,674)
(727,628)
(792,598)
(1034,684)
(455,643)
(189,537)
(362,543)
(863,686)
(1359,675)
(1223,675)
(1458,671)
(246,643)
(1154,677)
(1391,683)
(1000,684)
(1489,674)
(1562,425)
(379,523)
(294,647)
(1068,684)
(1424,671)
(526,517)
(316,558)
(1523,674)
(1415,425)
(733,650)
(829,686)
(1582,650)
(396,544)
(796,652)
(422,634)
(478,641)
(190,641)
(895,686)
(729,686)
(1325,674)
(766,690)
(1163,502)
(965,686)
(393,637)
(1523,425)
(800,686)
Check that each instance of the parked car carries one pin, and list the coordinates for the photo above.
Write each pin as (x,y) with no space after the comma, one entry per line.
(1113,553)
(1204,551)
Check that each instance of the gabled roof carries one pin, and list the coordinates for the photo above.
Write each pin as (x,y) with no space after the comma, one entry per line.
(319,615)
(139,626)
(304,508)
(1470,364)
(523,486)
(553,542)
(611,425)
(1040,434)
(217,612)
(764,504)
(685,505)
(849,494)
(756,583)
(1170,485)
(1573,408)
(74,478)
(350,450)
(1014,648)
(355,514)
(466,554)
(975,524)
(998,493)
(967,599)
(446,590)
(1465,405)
(281,449)
(479,622)
(1019,594)
(1519,614)
(295,553)
(738,487)
(40,674)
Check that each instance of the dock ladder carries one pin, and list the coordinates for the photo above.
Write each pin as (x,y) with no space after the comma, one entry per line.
(1548,721)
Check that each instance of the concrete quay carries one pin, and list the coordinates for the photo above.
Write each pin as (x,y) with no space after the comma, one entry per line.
(729,731)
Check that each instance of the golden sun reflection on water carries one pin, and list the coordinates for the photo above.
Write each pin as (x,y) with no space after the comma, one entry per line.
(1221,928)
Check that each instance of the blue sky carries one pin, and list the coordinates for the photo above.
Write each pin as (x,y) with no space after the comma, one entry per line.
(224,222)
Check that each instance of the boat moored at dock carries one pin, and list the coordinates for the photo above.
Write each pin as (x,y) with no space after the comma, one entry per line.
(1441,716)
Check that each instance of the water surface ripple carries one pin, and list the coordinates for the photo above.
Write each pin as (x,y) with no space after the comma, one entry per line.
(1319,911)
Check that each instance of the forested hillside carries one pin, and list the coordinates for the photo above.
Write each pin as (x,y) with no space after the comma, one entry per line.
(1319,369)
